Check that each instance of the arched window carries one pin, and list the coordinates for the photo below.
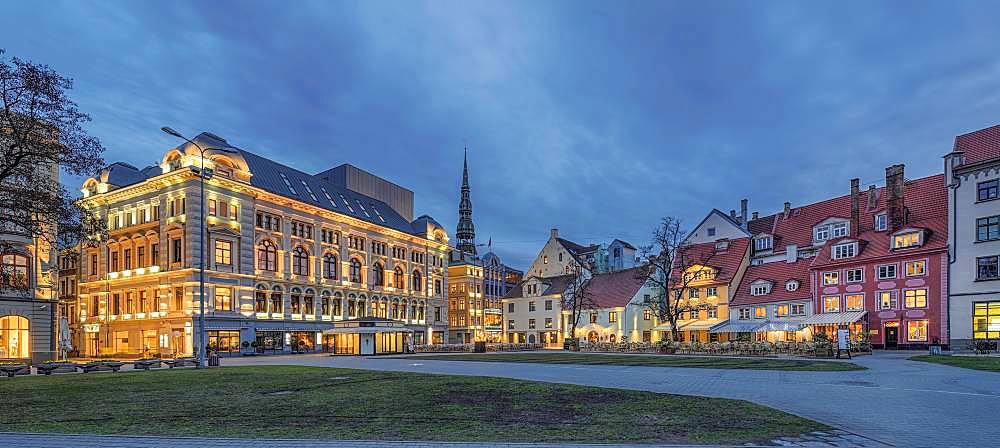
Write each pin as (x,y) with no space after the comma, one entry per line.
(309,303)
(300,261)
(397,278)
(260,299)
(330,266)
(417,281)
(267,256)
(295,298)
(378,275)
(355,273)
(276,301)
(13,271)
(15,339)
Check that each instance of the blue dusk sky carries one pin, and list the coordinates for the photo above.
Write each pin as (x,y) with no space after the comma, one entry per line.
(596,117)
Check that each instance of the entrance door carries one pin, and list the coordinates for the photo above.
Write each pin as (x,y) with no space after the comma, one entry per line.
(891,337)
(367,344)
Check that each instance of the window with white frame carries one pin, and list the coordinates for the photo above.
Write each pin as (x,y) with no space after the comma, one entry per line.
(712,291)
(831,304)
(916,268)
(856,275)
(854,302)
(798,309)
(694,293)
(905,240)
(886,271)
(915,298)
(829,231)
(831,278)
(916,330)
(760,288)
(792,285)
(744,313)
(846,250)
(988,268)
(880,223)
(821,233)
(887,300)
(759,312)
(763,242)
(781,310)
(838,229)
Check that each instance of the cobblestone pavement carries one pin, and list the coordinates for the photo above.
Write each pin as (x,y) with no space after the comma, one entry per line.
(21,440)
(900,402)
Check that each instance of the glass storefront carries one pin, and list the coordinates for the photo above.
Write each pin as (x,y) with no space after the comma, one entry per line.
(224,341)
(986,320)
(14,338)
(270,341)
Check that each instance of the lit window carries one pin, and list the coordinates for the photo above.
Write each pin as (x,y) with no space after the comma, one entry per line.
(916,331)
(759,312)
(855,275)
(223,252)
(915,298)
(854,302)
(887,300)
(831,304)
(781,310)
(223,299)
(831,278)
(613,316)
(915,268)
(986,320)
(845,250)
(886,271)
(904,240)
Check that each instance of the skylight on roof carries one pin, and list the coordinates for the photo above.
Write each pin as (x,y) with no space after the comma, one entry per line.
(334,204)
(288,184)
(348,204)
(377,213)
(362,208)
(309,190)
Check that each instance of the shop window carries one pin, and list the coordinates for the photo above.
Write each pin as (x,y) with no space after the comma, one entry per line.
(15,340)
(986,320)
(916,331)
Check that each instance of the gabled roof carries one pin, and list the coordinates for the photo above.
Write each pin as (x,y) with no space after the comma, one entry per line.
(727,261)
(725,216)
(626,244)
(778,273)
(553,285)
(979,146)
(761,225)
(578,251)
(615,289)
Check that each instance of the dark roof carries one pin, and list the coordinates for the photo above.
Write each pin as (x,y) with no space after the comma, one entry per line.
(761,225)
(577,251)
(778,273)
(979,146)
(554,285)
(615,289)
(121,174)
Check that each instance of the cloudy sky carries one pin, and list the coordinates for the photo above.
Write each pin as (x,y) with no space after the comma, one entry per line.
(586,116)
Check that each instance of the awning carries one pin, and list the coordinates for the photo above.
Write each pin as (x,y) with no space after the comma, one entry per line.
(700,325)
(782,326)
(736,327)
(367,330)
(848,317)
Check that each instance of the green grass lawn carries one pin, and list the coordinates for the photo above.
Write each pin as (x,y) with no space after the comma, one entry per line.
(705,362)
(315,402)
(990,364)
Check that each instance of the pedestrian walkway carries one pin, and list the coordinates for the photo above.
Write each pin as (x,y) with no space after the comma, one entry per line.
(22,440)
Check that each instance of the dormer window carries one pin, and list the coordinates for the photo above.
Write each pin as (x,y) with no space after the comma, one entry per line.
(760,288)
(763,242)
(722,245)
(792,285)
(845,250)
(880,223)
(907,239)
(829,231)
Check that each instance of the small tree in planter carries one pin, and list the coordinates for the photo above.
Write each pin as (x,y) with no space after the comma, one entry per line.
(254,344)
(295,345)
(244,345)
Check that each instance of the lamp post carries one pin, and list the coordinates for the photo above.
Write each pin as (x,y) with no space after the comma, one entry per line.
(202,175)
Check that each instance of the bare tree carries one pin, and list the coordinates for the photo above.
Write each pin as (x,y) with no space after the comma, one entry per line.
(577,298)
(670,270)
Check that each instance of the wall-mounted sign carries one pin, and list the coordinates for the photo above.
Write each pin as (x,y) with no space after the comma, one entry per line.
(91,328)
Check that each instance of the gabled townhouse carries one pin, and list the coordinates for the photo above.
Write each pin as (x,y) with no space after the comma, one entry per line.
(708,293)
(618,313)
(972,176)
(871,262)
(533,310)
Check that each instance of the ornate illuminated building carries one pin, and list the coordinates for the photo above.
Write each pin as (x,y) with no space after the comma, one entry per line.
(287,255)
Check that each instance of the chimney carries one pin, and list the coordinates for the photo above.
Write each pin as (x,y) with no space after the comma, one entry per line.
(855,207)
(732,213)
(872,198)
(743,211)
(554,233)
(755,215)
(788,208)
(894,199)
(791,253)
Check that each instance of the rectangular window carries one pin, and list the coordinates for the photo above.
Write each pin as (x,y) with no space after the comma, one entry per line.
(915,268)
(128,259)
(744,313)
(510,307)
(712,291)
(212,208)
(831,304)
(886,271)
(838,229)
(781,311)
(845,250)
(822,233)
(798,309)
(548,322)
(531,324)
(531,306)
(916,331)
(593,318)
(613,316)
(831,278)
(178,299)
(93,264)
(887,300)
(986,320)
(647,315)
(176,242)
(854,302)
(988,268)
(856,275)
(694,293)
(140,253)
(114,261)
(510,324)
(759,312)
(223,299)
(915,298)
(987,190)
(548,305)
(880,223)
(763,243)
(909,239)
(713,312)
(223,252)
(988,229)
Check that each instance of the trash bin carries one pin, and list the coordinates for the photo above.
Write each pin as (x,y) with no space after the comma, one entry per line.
(213,360)
(479,347)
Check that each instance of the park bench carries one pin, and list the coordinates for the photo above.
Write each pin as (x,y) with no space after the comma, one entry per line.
(182,362)
(146,364)
(48,368)
(15,369)
(99,366)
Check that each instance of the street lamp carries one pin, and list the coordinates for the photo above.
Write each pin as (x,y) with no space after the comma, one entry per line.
(202,175)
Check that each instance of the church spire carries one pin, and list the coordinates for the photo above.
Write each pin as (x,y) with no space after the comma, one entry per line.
(466,231)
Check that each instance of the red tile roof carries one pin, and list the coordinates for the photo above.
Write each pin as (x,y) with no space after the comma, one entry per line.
(778,273)
(615,289)
(727,261)
(980,145)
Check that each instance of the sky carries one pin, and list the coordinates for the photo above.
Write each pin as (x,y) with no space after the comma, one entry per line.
(598,118)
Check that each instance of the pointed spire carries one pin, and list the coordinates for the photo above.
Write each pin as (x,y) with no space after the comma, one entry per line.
(466,231)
